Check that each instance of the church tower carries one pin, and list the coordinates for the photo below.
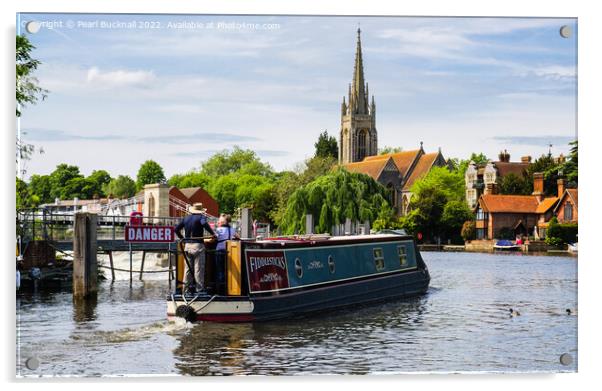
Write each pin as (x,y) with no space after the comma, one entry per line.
(358,137)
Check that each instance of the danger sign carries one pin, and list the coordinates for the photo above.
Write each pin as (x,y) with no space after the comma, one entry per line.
(149,233)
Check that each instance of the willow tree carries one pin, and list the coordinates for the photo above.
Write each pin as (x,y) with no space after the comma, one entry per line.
(331,199)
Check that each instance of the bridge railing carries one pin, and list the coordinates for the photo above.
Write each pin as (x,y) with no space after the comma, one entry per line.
(42,224)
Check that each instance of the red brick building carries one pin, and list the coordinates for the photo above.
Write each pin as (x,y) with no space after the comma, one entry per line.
(525,215)
(566,210)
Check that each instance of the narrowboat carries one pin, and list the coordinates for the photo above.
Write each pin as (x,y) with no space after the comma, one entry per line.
(286,277)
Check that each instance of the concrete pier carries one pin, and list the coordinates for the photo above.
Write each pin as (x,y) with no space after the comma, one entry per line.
(85,265)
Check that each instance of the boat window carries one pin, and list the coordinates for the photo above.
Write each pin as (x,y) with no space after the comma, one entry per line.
(298,267)
(331,264)
(403,256)
(379,259)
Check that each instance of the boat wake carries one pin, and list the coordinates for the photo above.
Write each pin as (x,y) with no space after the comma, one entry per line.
(132,334)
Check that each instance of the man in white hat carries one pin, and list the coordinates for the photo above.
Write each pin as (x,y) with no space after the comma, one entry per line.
(193,226)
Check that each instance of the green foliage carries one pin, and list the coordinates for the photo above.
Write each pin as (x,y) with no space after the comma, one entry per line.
(27,89)
(243,161)
(462,165)
(60,179)
(455,214)
(326,146)
(332,198)
(451,183)
(387,149)
(41,187)
(514,184)
(438,208)
(149,172)
(24,197)
(546,165)
(190,179)
(98,179)
(570,167)
(290,181)
(559,234)
(121,187)
(469,230)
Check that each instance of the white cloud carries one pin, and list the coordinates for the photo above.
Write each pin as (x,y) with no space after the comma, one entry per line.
(119,77)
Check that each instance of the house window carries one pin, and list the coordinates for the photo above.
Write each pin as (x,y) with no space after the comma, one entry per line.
(403,256)
(379,259)
(568,211)
(482,215)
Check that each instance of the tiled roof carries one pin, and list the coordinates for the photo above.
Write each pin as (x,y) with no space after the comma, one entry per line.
(509,203)
(371,167)
(505,168)
(403,160)
(546,204)
(421,169)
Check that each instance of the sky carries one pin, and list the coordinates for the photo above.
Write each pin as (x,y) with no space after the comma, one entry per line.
(178,88)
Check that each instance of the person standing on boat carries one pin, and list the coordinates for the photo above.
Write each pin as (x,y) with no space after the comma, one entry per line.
(224,233)
(193,226)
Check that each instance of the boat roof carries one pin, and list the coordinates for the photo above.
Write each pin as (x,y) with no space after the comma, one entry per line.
(301,240)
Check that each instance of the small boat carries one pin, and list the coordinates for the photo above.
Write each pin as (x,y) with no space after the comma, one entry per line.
(276,278)
(506,245)
(572,247)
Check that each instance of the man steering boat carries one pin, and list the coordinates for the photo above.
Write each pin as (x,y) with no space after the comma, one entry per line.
(194,226)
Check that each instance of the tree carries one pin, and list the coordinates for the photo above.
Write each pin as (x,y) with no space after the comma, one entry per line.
(121,187)
(27,89)
(59,179)
(190,179)
(226,162)
(427,207)
(98,181)
(331,199)
(462,165)
(450,182)
(387,149)
(149,172)
(24,197)
(514,184)
(326,146)
(41,187)
(570,167)
(455,214)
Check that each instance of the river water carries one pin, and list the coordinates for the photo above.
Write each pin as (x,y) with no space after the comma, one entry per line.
(461,324)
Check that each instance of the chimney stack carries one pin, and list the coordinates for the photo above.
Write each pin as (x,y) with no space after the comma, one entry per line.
(504,156)
(525,159)
(538,185)
(561,187)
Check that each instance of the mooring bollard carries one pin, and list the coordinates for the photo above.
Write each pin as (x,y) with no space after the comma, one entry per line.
(84,255)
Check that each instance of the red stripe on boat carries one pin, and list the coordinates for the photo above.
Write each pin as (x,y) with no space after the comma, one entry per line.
(226,317)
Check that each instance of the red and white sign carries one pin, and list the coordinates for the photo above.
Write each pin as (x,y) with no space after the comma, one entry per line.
(267,270)
(150,233)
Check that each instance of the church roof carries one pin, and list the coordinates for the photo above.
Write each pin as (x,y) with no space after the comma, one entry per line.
(372,167)
(422,167)
(403,160)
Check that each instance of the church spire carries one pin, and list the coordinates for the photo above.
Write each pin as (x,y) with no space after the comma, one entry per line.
(358,87)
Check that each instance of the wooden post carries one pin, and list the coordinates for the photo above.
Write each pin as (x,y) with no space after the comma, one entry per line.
(85,267)
(131,260)
(142,265)
(112,267)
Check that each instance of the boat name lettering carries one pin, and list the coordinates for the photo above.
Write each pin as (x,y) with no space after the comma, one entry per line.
(315,265)
(259,262)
